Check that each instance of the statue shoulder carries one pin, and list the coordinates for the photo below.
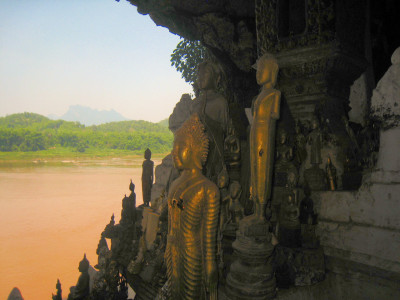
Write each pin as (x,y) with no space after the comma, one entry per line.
(212,189)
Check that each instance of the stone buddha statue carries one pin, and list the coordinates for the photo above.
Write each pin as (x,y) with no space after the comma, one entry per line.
(147,177)
(81,291)
(223,181)
(236,209)
(262,136)
(213,112)
(193,209)
(58,296)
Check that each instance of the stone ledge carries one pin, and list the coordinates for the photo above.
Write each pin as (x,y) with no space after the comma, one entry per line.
(368,245)
(375,205)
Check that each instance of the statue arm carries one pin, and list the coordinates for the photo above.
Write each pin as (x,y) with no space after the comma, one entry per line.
(209,228)
(276,107)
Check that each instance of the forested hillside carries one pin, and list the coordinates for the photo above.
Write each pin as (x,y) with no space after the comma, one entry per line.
(33,132)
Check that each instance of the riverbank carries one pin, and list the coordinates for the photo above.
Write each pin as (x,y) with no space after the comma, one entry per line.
(69,156)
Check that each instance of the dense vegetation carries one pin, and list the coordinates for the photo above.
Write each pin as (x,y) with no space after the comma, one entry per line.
(33,132)
(186,57)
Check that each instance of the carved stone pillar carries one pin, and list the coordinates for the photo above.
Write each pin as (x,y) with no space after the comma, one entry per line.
(251,275)
(385,106)
(320,50)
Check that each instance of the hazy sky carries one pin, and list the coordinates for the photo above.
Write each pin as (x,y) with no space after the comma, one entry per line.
(97,53)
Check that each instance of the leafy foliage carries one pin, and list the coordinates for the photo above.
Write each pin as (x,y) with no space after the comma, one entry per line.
(33,132)
(186,57)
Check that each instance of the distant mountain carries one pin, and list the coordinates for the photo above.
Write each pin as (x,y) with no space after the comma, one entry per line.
(89,116)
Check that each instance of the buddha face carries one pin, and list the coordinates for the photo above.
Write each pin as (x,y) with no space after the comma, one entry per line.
(266,71)
(206,78)
(235,190)
(283,137)
(180,153)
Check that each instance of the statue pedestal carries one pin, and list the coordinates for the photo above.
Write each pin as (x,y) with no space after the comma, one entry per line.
(251,275)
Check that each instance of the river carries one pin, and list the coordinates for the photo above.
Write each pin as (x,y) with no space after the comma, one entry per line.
(51,214)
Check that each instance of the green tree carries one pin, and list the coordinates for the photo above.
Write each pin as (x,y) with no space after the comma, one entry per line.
(186,57)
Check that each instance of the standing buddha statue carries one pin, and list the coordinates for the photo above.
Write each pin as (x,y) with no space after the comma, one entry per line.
(213,112)
(193,209)
(147,177)
(262,136)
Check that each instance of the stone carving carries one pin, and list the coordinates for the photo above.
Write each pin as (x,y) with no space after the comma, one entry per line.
(300,145)
(223,182)
(213,112)
(283,163)
(81,290)
(236,210)
(315,176)
(288,221)
(232,152)
(193,208)
(57,296)
(147,177)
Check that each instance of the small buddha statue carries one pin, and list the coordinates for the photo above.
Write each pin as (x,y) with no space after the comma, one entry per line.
(308,218)
(147,177)
(330,171)
(58,296)
(212,109)
(314,138)
(262,136)
(132,196)
(101,251)
(300,142)
(315,176)
(193,210)
(289,228)
(236,209)
(81,291)
(223,181)
(284,157)
(232,147)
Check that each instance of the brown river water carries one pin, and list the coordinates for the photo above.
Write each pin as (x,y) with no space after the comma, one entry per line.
(51,214)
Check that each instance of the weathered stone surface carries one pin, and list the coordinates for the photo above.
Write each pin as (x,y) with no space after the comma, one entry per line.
(385,102)
(180,113)
(359,94)
(373,205)
(389,148)
(380,246)
(165,173)
(354,286)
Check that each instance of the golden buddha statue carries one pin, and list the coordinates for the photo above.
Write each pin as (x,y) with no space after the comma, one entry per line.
(193,209)
(262,136)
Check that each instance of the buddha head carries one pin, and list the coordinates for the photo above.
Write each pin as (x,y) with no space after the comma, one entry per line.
(84,264)
(147,154)
(235,190)
(267,69)
(282,137)
(132,186)
(190,145)
(208,76)
(223,178)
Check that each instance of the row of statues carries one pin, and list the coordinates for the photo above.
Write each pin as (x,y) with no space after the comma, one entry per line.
(185,237)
